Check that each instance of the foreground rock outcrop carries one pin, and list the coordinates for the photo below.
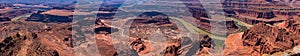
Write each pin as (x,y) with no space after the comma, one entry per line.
(25,44)
(35,39)
(29,44)
(261,39)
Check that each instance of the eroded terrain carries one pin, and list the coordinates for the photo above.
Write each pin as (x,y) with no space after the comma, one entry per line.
(151,28)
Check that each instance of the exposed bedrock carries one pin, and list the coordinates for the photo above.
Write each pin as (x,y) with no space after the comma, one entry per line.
(261,39)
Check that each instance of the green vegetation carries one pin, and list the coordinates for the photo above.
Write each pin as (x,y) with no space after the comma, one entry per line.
(241,23)
(21,17)
(219,40)
(190,27)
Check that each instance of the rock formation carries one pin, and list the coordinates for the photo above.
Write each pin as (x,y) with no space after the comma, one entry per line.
(38,17)
(39,41)
(261,39)
(27,44)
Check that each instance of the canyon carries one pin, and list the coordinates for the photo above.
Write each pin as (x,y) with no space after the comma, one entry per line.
(151,28)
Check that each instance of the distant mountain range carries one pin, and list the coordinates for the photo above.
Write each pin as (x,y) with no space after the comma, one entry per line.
(35,1)
(53,1)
